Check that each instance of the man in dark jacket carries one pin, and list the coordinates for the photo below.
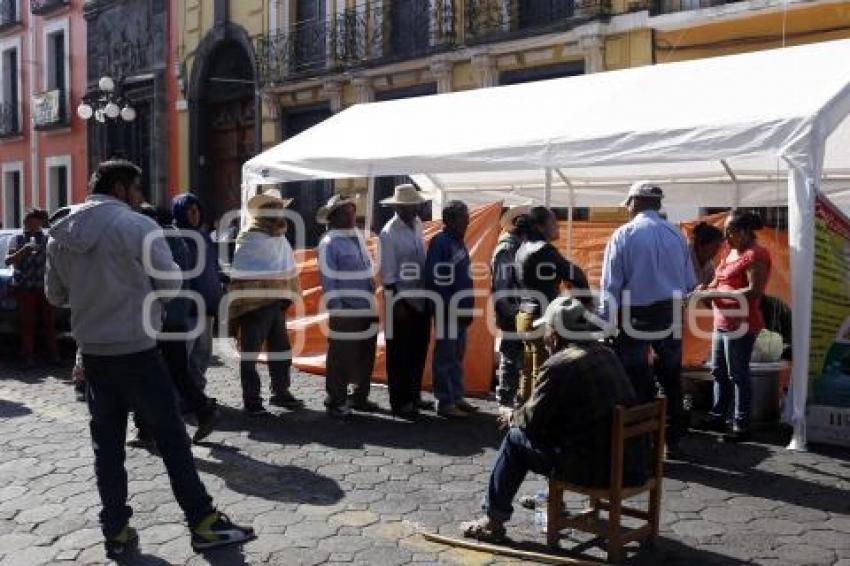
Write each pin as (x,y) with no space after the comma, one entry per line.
(565,426)
(174,346)
(506,304)
(447,274)
(188,215)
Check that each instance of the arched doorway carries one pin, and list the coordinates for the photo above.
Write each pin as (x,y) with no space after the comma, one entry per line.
(223,117)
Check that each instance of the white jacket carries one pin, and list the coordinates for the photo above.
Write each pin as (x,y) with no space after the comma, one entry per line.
(98,265)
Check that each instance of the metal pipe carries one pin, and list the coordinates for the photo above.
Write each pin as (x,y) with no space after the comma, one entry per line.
(547,188)
(370,198)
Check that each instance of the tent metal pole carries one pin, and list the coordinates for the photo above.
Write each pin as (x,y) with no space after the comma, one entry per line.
(370,205)
(736,199)
(569,211)
(547,188)
(438,202)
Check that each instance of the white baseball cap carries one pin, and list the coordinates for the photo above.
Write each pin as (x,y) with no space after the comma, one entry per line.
(646,189)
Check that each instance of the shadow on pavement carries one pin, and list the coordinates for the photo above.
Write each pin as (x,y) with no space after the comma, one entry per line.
(288,484)
(669,551)
(430,433)
(735,468)
(11,409)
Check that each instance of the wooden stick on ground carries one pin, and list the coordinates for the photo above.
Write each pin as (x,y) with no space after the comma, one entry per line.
(506,550)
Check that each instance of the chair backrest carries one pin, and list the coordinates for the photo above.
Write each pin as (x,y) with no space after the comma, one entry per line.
(640,421)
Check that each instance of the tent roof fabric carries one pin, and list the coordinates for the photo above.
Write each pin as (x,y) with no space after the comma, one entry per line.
(694,126)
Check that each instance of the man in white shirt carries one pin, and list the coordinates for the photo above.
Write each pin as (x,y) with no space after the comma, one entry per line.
(407,326)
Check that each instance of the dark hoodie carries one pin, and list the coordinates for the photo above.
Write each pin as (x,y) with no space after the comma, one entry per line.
(208,283)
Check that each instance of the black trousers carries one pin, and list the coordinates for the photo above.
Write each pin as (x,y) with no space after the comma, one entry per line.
(407,350)
(138,382)
(175,353)
(266,325)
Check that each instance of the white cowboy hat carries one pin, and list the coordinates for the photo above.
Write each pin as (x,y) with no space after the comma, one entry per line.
(405,195)
(335,202)
(511,214)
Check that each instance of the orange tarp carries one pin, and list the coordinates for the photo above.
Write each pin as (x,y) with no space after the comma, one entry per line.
(589,239)
(308,329)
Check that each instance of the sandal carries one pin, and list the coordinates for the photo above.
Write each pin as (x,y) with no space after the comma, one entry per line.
(485,530)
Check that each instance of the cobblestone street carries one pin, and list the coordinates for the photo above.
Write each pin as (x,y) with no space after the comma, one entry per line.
(320,491)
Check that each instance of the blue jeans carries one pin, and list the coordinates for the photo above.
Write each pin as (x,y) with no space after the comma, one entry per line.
(510,364)
(730,363)
(517,456)
(447,369)
(140,383)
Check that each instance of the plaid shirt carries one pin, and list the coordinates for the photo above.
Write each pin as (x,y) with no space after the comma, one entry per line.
(571,409)
(29,272)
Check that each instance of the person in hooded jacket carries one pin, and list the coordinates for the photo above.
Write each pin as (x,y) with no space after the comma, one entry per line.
(188,215)
(175,350)
(105,261)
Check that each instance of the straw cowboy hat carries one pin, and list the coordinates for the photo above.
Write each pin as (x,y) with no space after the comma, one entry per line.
(405,195)
(511,214)
(264,198)
(334,203)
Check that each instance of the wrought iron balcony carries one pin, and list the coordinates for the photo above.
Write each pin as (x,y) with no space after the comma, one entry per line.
(359,37)
(406,29)
(498,20)
(10,125)
(9,14)
(40,7)
(671,6)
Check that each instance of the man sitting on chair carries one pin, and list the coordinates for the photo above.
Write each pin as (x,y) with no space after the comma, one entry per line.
(565,426)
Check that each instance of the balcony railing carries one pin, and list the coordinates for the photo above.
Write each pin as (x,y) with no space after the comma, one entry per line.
(358,37)
(672,6)
(10,125)
(40,7)
(407,29)
(497,20)
(9,14)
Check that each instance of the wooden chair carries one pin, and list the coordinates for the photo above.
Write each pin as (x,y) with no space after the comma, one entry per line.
(648,419)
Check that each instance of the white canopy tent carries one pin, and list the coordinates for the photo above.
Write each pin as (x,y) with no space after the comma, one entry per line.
(759,129)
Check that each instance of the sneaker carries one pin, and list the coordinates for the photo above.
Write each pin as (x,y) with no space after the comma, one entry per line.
(286,400)
(424,405)
(206,422)
(255,411)
(453,413)
(464,406)
(80,393)
(365,406)
(340,412)
(218,530)
(122,544)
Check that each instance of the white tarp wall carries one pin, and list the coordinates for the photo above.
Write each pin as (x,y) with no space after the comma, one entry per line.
(759,129)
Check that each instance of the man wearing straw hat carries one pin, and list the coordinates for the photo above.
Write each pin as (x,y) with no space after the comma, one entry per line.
(505,282)
(408,321)
(264,262)
(349,295)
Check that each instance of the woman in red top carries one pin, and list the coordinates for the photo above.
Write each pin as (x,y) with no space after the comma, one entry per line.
(736,293)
